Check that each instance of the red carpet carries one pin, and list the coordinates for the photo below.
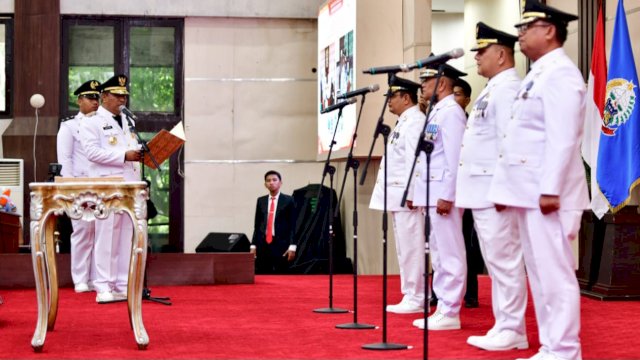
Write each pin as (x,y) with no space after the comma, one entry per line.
(273,319)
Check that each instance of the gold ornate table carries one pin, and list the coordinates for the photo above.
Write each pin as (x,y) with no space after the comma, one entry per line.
(88,200)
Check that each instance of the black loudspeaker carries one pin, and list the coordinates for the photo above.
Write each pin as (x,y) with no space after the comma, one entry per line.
(224,242)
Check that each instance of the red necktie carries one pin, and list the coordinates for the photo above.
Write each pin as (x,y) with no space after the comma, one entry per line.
(272,214)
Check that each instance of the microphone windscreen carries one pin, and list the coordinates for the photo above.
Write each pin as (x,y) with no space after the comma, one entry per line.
(36,101)
(456,53)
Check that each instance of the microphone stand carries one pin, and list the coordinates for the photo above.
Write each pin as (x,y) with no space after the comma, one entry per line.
(353,163)
(385,130)
(146,292)
(328,169)
(425,146)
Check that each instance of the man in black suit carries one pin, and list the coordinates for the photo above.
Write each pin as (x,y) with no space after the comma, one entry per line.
(273,240)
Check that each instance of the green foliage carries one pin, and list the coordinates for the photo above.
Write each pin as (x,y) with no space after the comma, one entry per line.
(152,89)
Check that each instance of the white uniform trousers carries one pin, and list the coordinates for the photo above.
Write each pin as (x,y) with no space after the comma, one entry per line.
(408,229)
(502,253)
(549,260)
(83,268)
(112,253)
(449,260)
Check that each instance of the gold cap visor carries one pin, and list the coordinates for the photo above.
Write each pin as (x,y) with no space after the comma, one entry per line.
(483,43)
(531,16)
(116,90)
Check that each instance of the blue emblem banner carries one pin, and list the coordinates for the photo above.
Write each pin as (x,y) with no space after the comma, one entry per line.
(618,169)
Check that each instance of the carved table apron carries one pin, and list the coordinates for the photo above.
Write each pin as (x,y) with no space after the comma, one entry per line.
(88,201)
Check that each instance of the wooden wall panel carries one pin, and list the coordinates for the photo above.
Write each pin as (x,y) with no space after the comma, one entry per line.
(36,70)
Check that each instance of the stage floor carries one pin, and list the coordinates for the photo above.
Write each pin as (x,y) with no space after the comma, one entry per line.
(273,319)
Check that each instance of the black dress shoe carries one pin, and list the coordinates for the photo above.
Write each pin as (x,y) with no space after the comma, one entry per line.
(471,303)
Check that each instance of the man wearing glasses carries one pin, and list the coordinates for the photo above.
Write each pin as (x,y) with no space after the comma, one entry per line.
(541,178)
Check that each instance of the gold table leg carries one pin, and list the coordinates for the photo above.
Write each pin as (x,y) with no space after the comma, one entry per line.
(137,265)
(50,226)
(39,258)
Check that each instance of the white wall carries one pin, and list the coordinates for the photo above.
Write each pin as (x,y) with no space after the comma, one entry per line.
(249,95)
(7,7)
(447,33)
(303,9)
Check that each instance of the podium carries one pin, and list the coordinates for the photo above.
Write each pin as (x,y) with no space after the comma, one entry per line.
(87,199)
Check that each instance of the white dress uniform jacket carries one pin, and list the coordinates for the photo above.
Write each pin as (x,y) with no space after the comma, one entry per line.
(71,154)
(446,128)
(408,225)
(542,157)
(482,141)
(105,144)
(542,143)
(400,156)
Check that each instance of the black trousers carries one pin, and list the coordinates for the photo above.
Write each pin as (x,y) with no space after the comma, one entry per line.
(270,259)
(475,263)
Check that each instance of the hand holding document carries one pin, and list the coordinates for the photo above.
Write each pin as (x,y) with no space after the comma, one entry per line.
(164,144)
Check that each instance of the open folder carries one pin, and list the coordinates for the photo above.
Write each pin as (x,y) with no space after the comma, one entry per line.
(164,144)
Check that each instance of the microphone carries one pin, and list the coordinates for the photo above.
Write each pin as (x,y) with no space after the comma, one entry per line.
(337,106)
(127,112)
(36,101)
(435,59)
(361,91)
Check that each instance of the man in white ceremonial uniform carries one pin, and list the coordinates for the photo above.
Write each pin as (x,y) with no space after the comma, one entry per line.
(113,151)
(408,221)
(541,177)
(497,231)
(445,129)
(74,163)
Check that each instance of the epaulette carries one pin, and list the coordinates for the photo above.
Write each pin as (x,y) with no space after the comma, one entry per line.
(67,118)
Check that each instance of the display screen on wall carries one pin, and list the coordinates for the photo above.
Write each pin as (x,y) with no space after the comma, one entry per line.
(336,64)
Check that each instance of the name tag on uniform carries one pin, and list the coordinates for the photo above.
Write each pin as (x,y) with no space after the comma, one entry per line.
(432,132)
(107,127)
(481,107)
(525,94)
(395,135)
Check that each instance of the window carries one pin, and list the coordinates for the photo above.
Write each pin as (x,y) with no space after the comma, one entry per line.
(151,67)
(6,60)
(149,52)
